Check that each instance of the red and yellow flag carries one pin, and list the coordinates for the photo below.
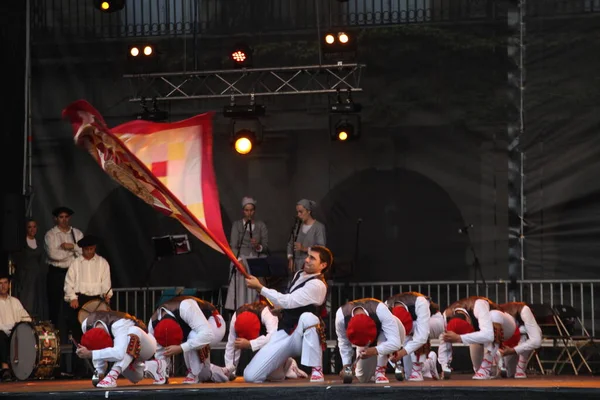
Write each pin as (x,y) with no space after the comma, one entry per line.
(168,165)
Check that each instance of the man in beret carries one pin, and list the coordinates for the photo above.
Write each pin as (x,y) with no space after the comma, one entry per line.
(120,338)
(187,325)
(88,278)
(422,321)
(369,325)
(61,247)
(478,322)
(251,327)
(11,313)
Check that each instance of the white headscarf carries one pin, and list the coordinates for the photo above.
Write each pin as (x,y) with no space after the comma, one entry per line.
(248,200)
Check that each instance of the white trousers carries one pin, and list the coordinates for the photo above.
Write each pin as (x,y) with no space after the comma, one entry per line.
(147,350)
(409,359)
(510,362)
(365,368)
(269,362)
(192,358)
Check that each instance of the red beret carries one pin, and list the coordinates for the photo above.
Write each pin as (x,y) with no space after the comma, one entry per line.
(96,339)
(247,325)
(459,326)
(514,339)
(404,316)
(168,333)
(361,330)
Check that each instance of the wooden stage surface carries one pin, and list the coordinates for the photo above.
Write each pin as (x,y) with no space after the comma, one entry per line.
(460,386)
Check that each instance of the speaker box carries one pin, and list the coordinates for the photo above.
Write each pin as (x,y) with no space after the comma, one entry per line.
(12,233)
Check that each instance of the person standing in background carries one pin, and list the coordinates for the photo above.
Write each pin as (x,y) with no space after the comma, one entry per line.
(61,250)
(308,232)
(31,271)
(249,238)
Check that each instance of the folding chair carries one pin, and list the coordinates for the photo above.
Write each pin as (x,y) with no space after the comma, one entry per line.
(578,337)
(553,329)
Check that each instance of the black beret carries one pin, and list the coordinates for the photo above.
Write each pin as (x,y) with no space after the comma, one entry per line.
(88,240)
(62,209)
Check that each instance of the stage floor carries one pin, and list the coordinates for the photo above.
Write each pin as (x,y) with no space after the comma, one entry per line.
(460,386)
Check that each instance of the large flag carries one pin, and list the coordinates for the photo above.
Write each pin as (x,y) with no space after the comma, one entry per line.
(168,165)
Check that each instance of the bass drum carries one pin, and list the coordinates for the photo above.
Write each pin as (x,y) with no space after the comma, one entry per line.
(90,307)
(34,350)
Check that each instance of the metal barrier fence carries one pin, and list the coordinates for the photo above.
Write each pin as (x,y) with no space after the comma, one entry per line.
(579,294)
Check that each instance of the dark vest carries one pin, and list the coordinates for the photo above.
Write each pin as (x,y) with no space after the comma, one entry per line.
(173,306)
(409,299)
(109,318)
(514,309)
(468,304)
(290,316)
(255,308)
(370,305)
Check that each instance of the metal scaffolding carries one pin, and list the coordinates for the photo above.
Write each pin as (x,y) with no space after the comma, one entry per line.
(312,79)
(517,202)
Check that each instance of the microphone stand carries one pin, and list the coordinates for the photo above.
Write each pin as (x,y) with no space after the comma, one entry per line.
(233,268)
(476,265)
(294,237)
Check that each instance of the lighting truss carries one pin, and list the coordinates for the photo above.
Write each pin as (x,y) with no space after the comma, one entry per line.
(312,79)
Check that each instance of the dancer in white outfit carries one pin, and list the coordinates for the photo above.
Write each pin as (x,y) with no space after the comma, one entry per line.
(369,325)
(478,322)
(423,321)
(251,327)
(187,325)
(518,351)
(112,336)
(300,329)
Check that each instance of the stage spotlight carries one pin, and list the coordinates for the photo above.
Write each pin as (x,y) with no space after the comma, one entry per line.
(145,50)
(244,141)
(344,120)
(109,6)
(339,46)
(241,55)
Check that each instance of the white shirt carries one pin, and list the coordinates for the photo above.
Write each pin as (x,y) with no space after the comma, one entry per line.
(11,312)
(389,327)
(56,255)
(534,332)
(32,243)
(485,334)
(190,313)
(89,277)
(420,331)
(121,341)
(314,292)
(232,355)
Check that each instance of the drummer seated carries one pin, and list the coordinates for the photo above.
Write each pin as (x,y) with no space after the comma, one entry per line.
(88,278)
(11,313)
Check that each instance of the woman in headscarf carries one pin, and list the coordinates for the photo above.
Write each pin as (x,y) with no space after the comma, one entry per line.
(307,232)
(31,274)
(249,238)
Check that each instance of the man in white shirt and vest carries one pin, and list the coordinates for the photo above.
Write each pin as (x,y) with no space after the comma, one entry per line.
(251,327)
(300,330)
(11,313)
(88,278)
(61,247)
